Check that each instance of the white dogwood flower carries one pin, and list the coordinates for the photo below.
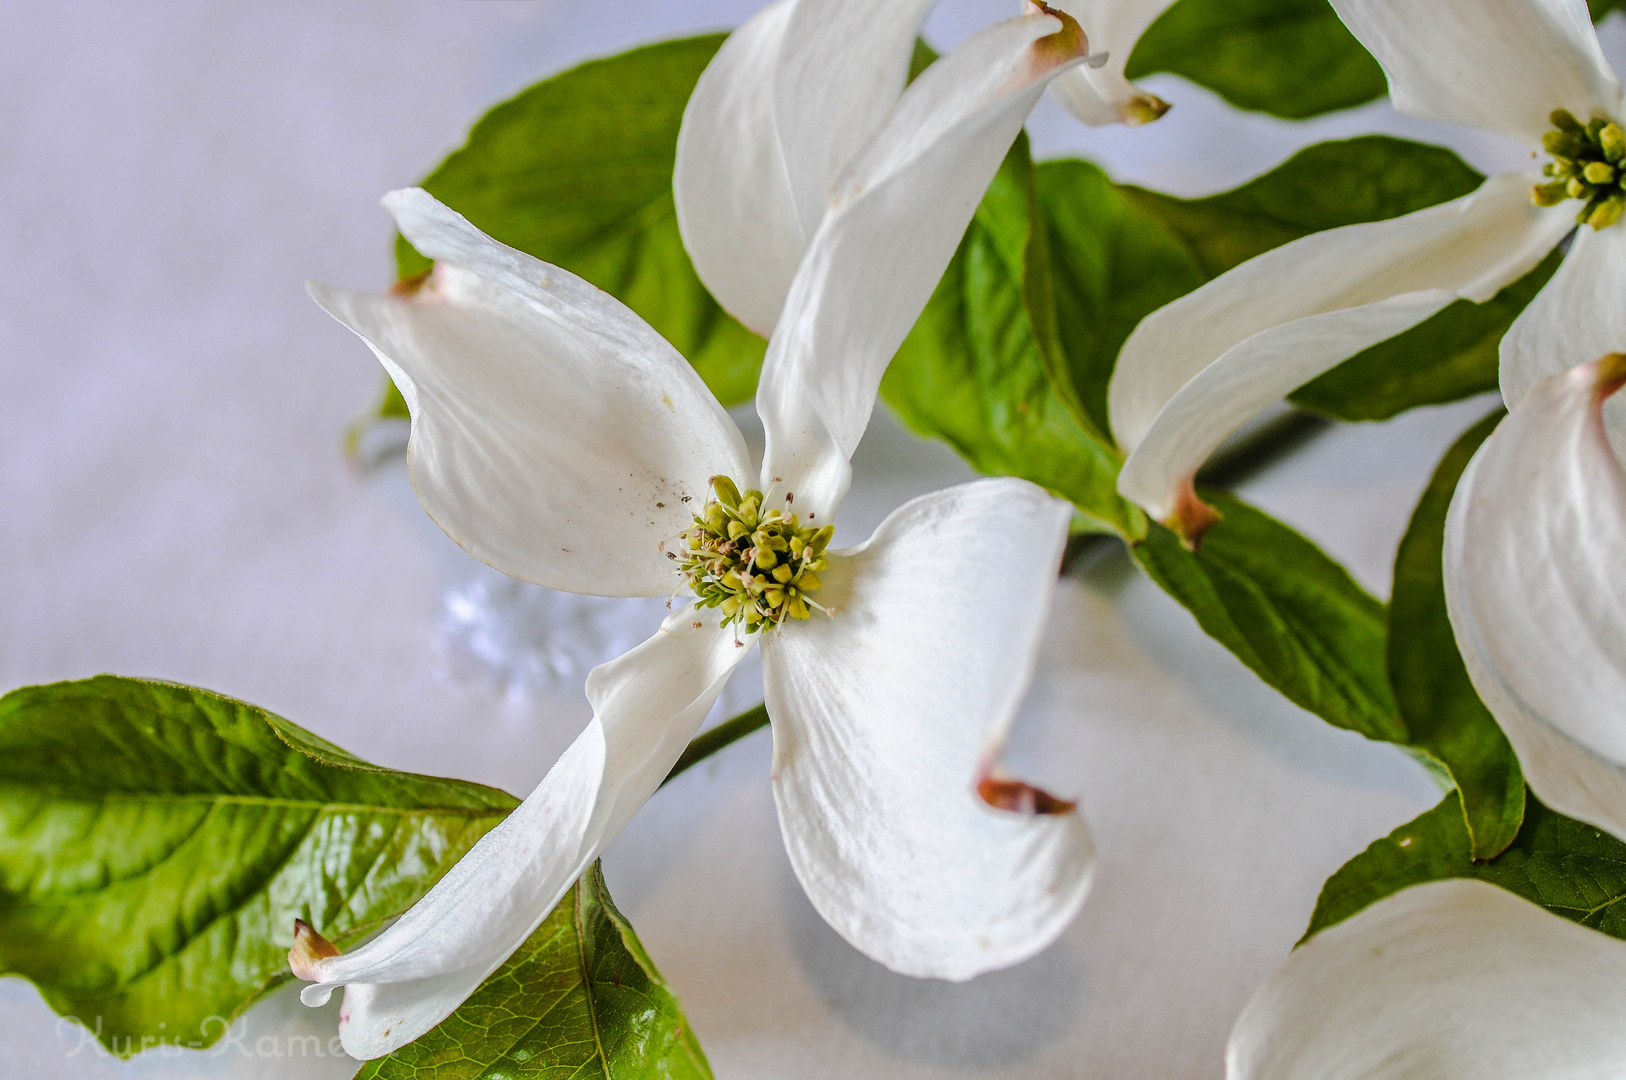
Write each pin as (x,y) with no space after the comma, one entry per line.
(793,94)
(1534,545)
(560,439)
(1443,980)
(1196,370)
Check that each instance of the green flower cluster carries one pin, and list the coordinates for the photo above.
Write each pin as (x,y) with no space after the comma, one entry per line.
(1587,164)
(757,565)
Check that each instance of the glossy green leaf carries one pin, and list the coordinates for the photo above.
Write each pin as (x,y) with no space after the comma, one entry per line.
(579,999)
(1111,264)
(971,374)
(1287,610)
(1289,58)
(1369,178)
(158,841)
(577,171)
(1566,866)
(1431,685)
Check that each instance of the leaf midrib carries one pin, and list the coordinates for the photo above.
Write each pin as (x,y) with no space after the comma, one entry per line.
(266,800)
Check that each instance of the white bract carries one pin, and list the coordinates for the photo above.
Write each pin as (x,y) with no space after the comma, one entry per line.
(1196,370)
(1534,545)
(794,93)
(560,439)
(1442,981)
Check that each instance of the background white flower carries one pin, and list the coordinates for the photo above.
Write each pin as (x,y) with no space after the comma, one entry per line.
(1534,546)
(1196,370)
(1444,980)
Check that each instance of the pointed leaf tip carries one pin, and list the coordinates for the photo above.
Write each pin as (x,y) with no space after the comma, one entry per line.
(309,949)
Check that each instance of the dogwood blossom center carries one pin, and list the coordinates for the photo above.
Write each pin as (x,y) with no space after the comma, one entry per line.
(1589,163)
(756,563)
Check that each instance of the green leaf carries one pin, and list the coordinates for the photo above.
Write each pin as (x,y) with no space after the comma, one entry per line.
(1431,685)
(1290,613)
(1289,58)
(1111,264)
(1330,184)
(1602,8)
(971,374)
(1566,866)
(158,841)
(577,171)
(579,999)
(1452,356)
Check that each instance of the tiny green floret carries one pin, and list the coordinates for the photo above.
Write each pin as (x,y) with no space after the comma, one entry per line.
(755,563)
(1589,163)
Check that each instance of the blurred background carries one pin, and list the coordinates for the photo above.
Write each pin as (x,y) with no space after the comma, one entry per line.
(177,505)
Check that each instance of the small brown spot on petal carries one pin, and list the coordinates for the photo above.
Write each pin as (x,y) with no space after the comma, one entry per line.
(1003,793)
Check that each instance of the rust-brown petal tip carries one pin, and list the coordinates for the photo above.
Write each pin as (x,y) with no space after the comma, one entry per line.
(309,948)
(1191,517)
(1611,374)
(1003,793)
(412,284)
(1142,109)
(1068,43)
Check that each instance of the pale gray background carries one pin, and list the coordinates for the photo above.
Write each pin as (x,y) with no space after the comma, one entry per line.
(176,506)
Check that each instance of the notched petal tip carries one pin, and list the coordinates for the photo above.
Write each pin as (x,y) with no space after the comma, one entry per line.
(1609,374)
(1065,45)
(1143,108)
(412,284)
(310,948)
(1191,517)
(1017,797)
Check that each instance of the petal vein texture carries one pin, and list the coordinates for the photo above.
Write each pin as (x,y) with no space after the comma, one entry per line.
(886,716)
(555,436)
(1534,544)
(1441,981)
(1502,65)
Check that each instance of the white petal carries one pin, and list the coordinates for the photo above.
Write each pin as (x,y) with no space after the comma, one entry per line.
(647,705)
(1100,94)
(1579,316)
(1444,980)
(1534,545)
(734,204)
(844,64)
(896,217)
(888,715)
(1196,370)
(554,434)
(1503,65)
